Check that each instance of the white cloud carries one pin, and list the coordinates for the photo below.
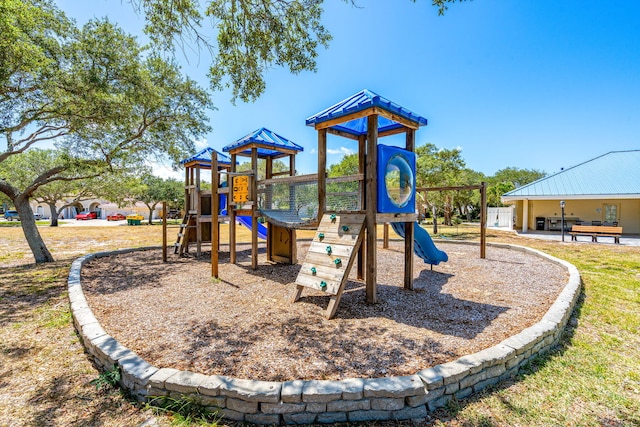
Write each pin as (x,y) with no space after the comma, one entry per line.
(164,171)
(342,150)
(201,144)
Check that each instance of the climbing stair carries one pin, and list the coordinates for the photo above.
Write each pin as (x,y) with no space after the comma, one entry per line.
(182,241)
(331,256)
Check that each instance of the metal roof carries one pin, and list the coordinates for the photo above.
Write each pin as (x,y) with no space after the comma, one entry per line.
(266,139)
(204,157)
(615,174)
(359,102)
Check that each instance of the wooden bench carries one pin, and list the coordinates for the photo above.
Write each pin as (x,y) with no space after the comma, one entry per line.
(596,231)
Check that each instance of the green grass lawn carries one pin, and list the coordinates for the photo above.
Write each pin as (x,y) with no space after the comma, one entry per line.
(591,379)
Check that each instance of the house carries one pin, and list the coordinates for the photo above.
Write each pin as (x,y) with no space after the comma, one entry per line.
(102,207)
(604,189)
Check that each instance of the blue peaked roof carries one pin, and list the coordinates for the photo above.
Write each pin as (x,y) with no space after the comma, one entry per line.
(615,174)
(361,101)
(269,143)
(204,157)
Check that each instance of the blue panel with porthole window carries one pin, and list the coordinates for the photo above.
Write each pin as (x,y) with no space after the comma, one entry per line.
(396,180)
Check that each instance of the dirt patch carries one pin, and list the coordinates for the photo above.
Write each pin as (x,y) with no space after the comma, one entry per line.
(244,325)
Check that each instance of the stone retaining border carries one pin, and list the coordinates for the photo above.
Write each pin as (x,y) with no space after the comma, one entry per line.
(325,401)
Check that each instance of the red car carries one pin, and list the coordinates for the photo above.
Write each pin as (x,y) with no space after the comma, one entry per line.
(116,217)
(87,215)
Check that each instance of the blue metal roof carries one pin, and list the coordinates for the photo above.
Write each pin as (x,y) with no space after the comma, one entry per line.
(615,174)
(266,138)
(361,101)
(204,157)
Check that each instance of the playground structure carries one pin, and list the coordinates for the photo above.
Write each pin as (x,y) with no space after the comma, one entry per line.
(345,210)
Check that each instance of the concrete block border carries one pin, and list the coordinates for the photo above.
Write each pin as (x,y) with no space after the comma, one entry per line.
(323,401)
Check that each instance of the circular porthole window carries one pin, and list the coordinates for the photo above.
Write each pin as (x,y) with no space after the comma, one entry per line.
(399,180)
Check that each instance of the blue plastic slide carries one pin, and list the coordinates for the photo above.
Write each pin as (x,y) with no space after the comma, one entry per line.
(246,221)
(423,245)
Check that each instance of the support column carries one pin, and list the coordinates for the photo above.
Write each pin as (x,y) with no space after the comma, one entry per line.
(362,149)
(408,226)
(215,209)
(322,172)
(525,215)
(232,214)
(254,207)
(483,220)
(371,198)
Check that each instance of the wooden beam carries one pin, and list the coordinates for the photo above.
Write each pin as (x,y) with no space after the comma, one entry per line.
(312,177)
(447,188)
(198,201)
(232,214)
(410,145)
(254,218)
(371,190)
(483,220)
(396,118)
(343,134)
(362,151)
(247,150)
(322,174)
(215,211)
(344,119)
(164,231)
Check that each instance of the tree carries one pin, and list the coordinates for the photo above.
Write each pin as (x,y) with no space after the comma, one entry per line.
(508,179)
(153,190)
(95,93)
(251,36)
(439,168)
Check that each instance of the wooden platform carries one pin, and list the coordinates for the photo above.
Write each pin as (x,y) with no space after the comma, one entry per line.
(331,256)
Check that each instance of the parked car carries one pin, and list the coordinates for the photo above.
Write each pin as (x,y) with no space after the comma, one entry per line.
(10,215)
(116,217)
(37,216)
(87,215)
(173,214)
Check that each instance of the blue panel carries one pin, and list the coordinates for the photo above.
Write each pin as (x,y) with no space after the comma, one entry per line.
(396,180)
(204,156)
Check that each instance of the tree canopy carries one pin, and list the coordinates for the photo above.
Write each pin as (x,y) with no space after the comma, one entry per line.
(103,100)
(246,37)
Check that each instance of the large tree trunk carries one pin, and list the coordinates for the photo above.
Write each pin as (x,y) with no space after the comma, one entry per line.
(54,215)
(31,233)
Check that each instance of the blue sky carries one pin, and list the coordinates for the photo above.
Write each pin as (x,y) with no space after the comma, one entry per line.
(541,84)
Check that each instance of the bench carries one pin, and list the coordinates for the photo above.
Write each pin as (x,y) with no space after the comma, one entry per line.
(596,231)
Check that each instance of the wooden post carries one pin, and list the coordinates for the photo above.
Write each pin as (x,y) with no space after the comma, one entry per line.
(215,210)
(408,227)
(232,215)
(164,231)
(385,235)
(254,206)
(371,207)
(483,220)
(322,172)
(362,149)
(198,213)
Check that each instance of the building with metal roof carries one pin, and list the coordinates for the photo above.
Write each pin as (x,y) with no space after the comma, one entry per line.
(605,189)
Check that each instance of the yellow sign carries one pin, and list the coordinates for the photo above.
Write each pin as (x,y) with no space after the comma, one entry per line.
(240,189)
